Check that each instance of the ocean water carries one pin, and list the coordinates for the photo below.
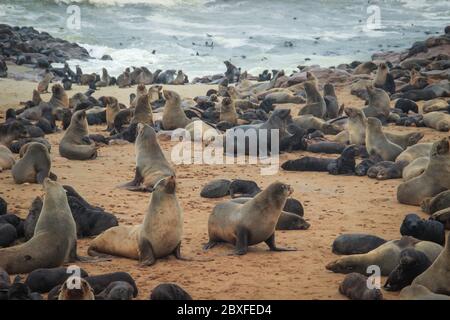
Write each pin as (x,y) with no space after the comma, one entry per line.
(253,34)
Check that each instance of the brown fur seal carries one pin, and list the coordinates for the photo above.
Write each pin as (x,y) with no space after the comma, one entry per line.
(386,256)
(179,78)
(173,115)
(416,151)
(86,79)
(365,68)
(143,111)
(43,84)
(437,277)
(285,96)
(435,178)
(6,158)
(435,105)
(355,287)
(140,91)
(58,100)
(377,143)
(104,80)
(69,291)
(419,292)
(240,103)
(158,236)
(437,120)
(55,237)
(415,168)
(436,203)
(315,104)
(383,79)
(356,128)
(76,145)
(379,104)
(34,166)
(112,109)
(404,140)
(228,111)
(151,164)
(311,122)
(251,223)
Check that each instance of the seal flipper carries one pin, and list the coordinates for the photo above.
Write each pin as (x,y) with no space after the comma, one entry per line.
(41,175)
(271,243)
(135,184)
(209,245)
(241,241)
(146,254)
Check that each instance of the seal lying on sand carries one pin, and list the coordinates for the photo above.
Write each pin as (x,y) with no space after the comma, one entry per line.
(55,238)
(251,223)
(412,263)
(157,237)
(418,228)
(437,277)
(70,292)
(386,256)
(345,164)
(76,145)
(151,164)
(354,286)
(419,292)
(435,178)
(356,243)
(169,291)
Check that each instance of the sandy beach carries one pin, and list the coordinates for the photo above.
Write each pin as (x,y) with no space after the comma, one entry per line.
(333,205)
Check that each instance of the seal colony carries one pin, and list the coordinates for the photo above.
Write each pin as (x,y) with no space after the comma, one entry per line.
(349,141)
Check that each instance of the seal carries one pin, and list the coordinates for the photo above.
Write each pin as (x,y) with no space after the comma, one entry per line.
(404,140)
(386,256)
(384,170)
(100,282)
(354,286)
(416,151)
(112,109)
(365,68)
(250,223)
(6,158)
(34,166)
(428,230)
(228,111)
(169,291)
(315,104)
(75,144)
(70,292)
(158,236)
(44,83)
(344,164)
(435,178)
(11,132)
(151,164)
(437,120)
(356,243)
(418,292)
(290,218)
(54,240)
(216,189)
(436,203)
(383,79)
(44,279)
(329,95)
(356,128)
(311,122)
(90,220)
(412,263)
(117,290)
(377,143)
(379,104)
(8,235)
(173,115)
(437,277)
(415,168)
(143,111)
